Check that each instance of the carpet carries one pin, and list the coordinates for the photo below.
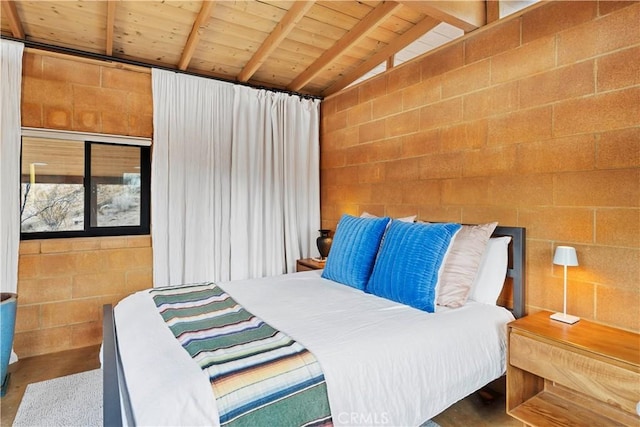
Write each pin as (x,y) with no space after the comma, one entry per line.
(74,400)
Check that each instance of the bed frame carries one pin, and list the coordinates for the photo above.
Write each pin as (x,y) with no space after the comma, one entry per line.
(516,269)
(115,394)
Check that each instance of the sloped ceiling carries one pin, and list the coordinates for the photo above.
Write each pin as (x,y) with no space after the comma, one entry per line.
(309,47)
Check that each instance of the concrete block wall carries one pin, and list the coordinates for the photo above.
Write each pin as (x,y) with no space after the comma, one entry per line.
(533,121)
(63,283)
(69,93)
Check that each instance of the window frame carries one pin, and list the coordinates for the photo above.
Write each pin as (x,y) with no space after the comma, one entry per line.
(95,231)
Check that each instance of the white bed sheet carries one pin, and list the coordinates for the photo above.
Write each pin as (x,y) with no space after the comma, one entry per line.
(385,363)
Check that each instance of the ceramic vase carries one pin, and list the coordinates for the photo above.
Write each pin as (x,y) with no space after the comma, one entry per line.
(7,326)
(324,243)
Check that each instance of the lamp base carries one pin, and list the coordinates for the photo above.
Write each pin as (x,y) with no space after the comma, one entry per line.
(565,318)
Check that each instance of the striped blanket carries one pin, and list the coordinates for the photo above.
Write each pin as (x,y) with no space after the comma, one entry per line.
(259,375)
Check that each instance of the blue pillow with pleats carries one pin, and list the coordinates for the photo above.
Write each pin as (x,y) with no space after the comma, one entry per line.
(407,266)
(353,251)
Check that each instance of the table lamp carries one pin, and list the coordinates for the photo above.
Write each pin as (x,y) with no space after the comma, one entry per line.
(565,256)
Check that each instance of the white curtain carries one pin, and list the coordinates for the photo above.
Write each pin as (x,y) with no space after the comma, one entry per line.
(235,180)
(10,122)
(10,86)
(190,174)
(275,186)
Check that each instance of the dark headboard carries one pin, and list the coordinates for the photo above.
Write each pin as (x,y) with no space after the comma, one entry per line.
(517,265)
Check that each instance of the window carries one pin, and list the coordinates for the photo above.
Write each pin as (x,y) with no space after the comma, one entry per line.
(72,188)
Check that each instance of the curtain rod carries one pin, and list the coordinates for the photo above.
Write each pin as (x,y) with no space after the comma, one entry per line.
(102,57)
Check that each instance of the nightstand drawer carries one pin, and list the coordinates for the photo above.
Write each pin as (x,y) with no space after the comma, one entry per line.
(605,379)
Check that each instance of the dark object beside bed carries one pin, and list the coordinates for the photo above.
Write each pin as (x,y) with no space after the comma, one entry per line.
(114,383)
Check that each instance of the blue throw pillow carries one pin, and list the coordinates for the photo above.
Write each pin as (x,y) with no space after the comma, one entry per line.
(406,270)
(353,251)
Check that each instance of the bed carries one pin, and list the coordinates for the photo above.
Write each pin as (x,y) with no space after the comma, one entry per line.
(380,366)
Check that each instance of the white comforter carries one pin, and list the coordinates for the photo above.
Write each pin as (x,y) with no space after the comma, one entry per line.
(385,363)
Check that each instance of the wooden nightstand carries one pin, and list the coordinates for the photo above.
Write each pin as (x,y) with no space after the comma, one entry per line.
(582,374)
(307,264)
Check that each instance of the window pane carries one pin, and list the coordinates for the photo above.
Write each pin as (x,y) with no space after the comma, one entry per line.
(115,185)
(52,196)
(59,201)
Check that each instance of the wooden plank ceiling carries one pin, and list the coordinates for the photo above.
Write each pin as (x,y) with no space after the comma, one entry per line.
(310,47)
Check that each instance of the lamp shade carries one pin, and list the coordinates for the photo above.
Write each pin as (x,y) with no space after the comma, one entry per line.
(565,255)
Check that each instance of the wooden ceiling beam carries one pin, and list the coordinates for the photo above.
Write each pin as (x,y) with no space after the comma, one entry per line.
(273,40)
(11,13)
(391,62)
(194,36)
(467,15)
(111,18)
(357,33)
(493,10)
(399,43)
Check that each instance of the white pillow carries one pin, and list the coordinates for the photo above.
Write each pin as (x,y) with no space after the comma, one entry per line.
(411,218)
(488,283)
